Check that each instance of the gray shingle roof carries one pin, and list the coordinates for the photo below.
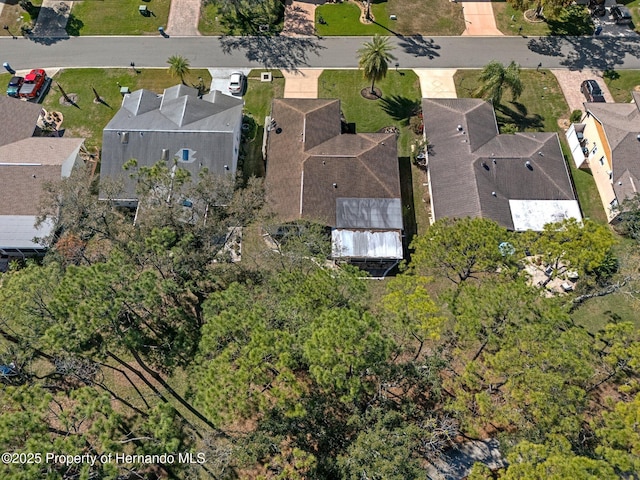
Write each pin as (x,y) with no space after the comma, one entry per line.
(18,119)
(148,124)
(475,171)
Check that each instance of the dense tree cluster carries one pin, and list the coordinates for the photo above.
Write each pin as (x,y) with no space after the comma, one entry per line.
(139,333)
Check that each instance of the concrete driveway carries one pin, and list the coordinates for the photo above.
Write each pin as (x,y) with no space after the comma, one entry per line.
(300,18)
(479,19)
(301,83)
(570,81)
(436,82)
(220,78)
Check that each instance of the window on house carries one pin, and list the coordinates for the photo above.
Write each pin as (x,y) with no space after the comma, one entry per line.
(602,160)
(185,155)
(594,150)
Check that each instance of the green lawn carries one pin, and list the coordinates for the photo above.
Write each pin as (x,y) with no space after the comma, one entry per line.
(621,83)
(400,96)
(427,17)
(344,19)
(117,17)
(588,195)
(89,118)
(538,108)
(258,106)
(575,20)
(209,23)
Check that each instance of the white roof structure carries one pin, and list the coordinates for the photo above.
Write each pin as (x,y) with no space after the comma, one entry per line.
(535,214)
(364,244)
(17,233)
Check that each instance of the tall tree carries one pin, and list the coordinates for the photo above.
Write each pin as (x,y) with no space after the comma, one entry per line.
(374,58)
(495,78)
(179,66)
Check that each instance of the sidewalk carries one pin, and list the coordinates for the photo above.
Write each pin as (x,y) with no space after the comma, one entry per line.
(184,16)
(479,19)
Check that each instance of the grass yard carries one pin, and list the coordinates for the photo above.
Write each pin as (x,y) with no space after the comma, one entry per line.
(574,20)
(15,17)
(89,118)
(400,96)
(427,17)
(209,23)
(258,106)
(538,108)
(344,19)
(621,83)
(588,195)
(117,17)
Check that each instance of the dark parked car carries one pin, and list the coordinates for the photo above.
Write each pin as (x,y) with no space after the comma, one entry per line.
(591,91)
(621,14)
(14,86)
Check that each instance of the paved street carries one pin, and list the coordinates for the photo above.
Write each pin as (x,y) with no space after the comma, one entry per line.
(311,52)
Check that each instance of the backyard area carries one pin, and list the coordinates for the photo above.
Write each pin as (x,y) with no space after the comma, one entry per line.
(430,17)
(87,118)
(16,17)
(117,17)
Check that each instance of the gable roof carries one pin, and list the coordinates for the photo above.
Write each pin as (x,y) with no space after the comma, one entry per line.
(621,125)
(149,127)
(18,119)
(476,172)
(312,167)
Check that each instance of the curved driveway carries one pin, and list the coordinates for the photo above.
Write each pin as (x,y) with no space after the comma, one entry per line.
(312,52)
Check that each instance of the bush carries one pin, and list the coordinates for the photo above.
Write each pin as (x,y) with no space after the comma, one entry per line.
(575,116)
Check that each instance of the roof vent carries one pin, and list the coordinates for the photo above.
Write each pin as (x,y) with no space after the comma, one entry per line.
(226,167)
(619,183)
(124,138)
(494,194)
(638,137)
(459,128)
(485,166)
(541,154)
(335,185)
(165,154)
(528,164)
(494,161)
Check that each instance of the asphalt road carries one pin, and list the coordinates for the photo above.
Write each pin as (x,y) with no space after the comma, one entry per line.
(329,52)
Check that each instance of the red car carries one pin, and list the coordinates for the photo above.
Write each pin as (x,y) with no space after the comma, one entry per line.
(33,83)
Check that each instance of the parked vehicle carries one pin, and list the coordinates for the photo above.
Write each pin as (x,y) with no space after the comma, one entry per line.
(621,14)
(236,83)
(591,91)
(33,83)
(14,86)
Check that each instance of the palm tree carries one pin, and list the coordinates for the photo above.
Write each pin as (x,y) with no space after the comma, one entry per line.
(495,77)
(178,66)
(374,59)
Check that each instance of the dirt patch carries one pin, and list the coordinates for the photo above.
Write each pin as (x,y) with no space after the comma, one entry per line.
(369,95)
(564,123)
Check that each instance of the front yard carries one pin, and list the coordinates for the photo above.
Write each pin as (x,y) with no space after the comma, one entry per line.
(575,20)
(621,83)
(117,17)
(427,17)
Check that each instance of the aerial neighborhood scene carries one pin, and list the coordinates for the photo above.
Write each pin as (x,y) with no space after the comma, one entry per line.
(324,240)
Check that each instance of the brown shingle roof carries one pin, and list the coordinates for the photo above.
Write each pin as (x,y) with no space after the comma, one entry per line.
(26,165)
(18,119)
(310,155)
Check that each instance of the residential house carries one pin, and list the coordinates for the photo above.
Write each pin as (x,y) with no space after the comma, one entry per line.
(177,126)
(607,140)
(27,161)
(346,181)
(518,180)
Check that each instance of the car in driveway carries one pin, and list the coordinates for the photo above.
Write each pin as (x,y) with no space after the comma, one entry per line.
(14,86)
(621,14)
(33,83)
(591,91)
(237,81)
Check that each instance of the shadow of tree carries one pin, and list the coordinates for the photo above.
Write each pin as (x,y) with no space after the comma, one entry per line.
(419,46)
(602,53)
(274,52)
(298,22)
(400,108)
(523,121)
(74,25)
